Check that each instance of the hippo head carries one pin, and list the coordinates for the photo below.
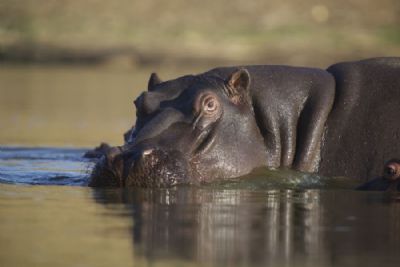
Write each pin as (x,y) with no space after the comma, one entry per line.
(190,130)
(389,181)
(391,170)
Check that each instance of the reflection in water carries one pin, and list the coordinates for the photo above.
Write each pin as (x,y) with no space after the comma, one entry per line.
(47,226)
(241,227)
(271,219)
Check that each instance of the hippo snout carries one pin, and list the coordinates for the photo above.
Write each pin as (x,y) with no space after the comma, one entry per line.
(140,167)
(154,167)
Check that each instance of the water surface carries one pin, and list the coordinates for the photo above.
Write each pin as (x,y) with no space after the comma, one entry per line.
(48,217)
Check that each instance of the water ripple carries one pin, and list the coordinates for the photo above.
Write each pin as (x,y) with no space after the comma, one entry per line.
(43,166)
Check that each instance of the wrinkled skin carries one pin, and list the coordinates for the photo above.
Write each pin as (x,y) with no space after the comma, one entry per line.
(389,181)
(226,122)
(182,134)
(150,168)
(363,127)
(202,128)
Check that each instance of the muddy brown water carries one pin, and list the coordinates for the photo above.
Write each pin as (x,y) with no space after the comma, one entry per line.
(48,217)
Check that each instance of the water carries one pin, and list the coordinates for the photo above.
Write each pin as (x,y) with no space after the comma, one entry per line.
(43,166)
(263,220)
(48,217)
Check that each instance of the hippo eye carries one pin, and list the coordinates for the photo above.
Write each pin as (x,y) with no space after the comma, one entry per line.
(210,104)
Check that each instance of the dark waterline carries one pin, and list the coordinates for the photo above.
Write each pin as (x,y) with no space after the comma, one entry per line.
(66,166)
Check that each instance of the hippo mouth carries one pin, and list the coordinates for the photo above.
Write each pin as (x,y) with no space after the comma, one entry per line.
(156,168)
(151,168)
(145,165)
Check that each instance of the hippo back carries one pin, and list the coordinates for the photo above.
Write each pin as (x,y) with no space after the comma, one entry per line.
(363,128)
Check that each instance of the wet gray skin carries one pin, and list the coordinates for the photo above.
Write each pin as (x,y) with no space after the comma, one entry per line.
(225,122)
(185,135)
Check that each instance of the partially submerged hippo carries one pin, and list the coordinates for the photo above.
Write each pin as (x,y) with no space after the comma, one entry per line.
(389,181)
(223,123)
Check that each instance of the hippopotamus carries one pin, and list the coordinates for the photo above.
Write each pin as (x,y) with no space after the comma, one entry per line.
(389,181)
(224,123)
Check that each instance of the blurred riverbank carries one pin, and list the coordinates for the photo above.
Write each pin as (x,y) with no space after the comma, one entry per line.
(190,33)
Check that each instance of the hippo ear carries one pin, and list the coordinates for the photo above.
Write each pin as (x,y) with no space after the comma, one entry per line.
(237,85)
(153,81)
